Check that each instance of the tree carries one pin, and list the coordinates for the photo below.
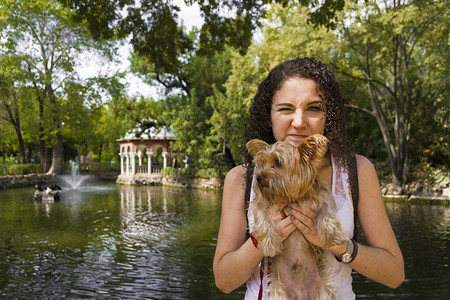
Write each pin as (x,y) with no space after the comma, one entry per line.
(386,52)
(43,34)
(9,99)
(417,79)
(153,23)
(164,54)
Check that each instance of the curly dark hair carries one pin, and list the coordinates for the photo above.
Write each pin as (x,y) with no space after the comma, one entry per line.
(337,127)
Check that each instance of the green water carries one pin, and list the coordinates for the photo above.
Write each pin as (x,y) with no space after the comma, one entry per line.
(135,242)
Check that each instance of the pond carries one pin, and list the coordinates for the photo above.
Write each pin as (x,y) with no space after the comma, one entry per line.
(133,242)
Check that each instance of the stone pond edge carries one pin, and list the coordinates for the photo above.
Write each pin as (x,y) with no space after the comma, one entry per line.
(417,192)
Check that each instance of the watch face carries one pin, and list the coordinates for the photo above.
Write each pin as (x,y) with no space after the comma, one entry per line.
(346,258)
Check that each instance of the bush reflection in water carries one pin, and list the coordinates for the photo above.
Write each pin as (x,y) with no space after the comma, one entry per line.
(134,242)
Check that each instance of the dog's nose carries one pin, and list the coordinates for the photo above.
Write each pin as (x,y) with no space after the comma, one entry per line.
(259,178)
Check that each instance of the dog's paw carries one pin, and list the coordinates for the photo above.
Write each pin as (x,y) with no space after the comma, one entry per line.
(335,238)
(331,232)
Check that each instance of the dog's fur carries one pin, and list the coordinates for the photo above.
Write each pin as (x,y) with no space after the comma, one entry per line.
(285,172)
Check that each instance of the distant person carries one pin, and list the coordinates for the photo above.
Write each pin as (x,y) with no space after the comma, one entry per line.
(186,161)
(175,162)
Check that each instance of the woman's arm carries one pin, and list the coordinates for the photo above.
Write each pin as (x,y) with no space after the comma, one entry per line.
(381,260)
(236,258)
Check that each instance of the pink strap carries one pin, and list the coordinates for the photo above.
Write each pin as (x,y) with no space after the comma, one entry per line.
(261,275)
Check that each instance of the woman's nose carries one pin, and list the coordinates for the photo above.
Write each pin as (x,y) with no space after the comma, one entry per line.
(299,118)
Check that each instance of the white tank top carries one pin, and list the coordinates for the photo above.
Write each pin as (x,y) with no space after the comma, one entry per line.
(341,192)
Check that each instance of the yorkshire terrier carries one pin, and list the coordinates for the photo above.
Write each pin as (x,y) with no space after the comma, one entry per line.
(286,172)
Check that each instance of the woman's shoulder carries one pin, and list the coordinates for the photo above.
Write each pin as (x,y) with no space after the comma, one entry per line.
(234,186)
(366,171)
(236,175)
(364,163)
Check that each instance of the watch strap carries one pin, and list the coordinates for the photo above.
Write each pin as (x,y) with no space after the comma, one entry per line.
(350,251)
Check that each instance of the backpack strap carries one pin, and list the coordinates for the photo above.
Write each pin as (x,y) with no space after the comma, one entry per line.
(248,187)
(354,187)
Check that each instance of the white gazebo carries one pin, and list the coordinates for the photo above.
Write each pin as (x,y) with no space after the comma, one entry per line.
(146,154)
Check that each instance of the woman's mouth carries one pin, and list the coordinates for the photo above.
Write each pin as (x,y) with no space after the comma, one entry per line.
(296,137)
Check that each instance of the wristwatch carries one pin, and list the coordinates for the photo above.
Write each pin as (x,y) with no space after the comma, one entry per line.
(347,256)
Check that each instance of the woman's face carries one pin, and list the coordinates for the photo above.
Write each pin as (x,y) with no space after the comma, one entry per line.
(297,110)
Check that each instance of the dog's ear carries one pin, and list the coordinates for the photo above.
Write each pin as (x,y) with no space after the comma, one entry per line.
(314,147)
(255,145)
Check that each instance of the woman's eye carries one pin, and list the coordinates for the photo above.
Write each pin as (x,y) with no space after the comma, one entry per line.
(315,108)
(286,110)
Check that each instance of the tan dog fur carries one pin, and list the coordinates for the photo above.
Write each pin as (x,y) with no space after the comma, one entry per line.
(286,172)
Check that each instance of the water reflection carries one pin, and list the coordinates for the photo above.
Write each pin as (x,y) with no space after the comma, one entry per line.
(134,242)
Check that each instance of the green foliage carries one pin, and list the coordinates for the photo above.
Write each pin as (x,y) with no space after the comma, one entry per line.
(435,175)
(286,36)
(19,169)
(13,168)
(96,167)
(195,173)
(46,41)
(427,170)
(209,84)
(190,115)
(384,47)
(153,23)
(189,172)
(217,172)
(169,171)
(211,172)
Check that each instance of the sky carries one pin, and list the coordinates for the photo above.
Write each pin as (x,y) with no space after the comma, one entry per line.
(92,65)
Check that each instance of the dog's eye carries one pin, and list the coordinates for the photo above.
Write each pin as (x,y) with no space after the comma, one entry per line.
(277,163)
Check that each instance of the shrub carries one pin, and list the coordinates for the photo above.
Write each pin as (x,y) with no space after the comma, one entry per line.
(188,172)
(94,167)
(20,169)
(210,172)
(99,167)
(192,172)
(169,171)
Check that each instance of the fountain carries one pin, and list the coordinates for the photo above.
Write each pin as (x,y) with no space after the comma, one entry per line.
(75,179)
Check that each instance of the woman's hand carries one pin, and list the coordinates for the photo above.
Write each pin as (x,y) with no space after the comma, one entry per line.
(304,220)
(283,221)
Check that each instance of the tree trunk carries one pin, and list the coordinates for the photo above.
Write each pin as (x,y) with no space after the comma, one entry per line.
(30,154)
(43,154)
(100,153)
(42,145)
(14,119)
(229,161)
(57,156)
(22,157)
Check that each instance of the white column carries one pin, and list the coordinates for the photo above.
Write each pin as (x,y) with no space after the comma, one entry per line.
(164,159)
(121,163)
(139,154)
(128,163)
(149,159)
(133,163)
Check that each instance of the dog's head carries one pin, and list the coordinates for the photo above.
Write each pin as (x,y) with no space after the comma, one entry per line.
(285,171)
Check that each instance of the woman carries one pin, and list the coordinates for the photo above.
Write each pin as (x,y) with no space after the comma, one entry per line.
(299,98)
